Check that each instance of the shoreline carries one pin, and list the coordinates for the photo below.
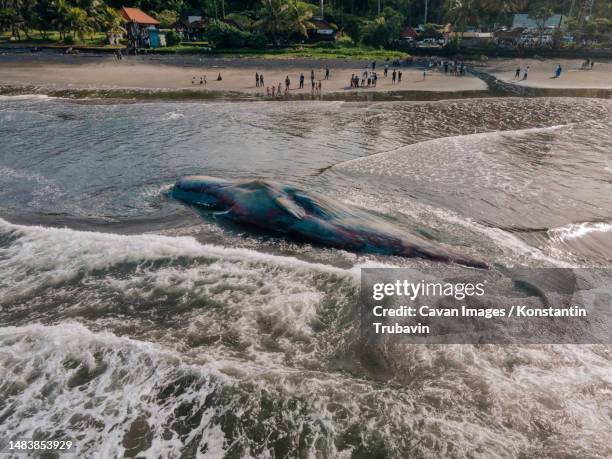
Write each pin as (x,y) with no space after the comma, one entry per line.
(170,78)
(145,73)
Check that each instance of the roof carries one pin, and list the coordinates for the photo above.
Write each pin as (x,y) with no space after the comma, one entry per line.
(514,33)
(524,20)
(138,16)
(180,25)
(483,35)
(319,23)
(408,32)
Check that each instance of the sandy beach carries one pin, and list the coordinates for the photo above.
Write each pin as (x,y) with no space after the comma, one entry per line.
(541,73)
(237,76)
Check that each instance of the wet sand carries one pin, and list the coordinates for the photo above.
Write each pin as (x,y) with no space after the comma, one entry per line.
(541,73)
(237,76)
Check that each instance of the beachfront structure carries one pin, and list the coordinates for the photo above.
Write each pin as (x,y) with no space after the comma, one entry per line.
(319,29)
(193,28)
(409,34)
(142,29)
(525,21)
(471,39)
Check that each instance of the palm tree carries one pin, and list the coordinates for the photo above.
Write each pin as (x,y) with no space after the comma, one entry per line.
(61,18)
(78,22)
(271,17)
(11,17)
(297,17)
(463,12)
(109,20)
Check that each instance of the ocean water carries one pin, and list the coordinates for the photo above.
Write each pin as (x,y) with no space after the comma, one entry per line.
(134,325)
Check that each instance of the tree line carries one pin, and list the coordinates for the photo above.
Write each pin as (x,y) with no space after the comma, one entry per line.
(372,22)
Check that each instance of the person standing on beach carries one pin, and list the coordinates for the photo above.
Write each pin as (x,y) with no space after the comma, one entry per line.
(373,65)
(301,80)
(312,76)
(375,79)
(424,74)
(273,90)
(256,80)
(526,73)
(399,76)
(287,83)
(386,70)
(312,83)
(219,77)
(204,80)
(278,93)
(327,72)
(517,74)
(261,80)
(393,76)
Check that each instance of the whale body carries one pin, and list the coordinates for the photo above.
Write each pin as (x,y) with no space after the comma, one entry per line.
(310,216)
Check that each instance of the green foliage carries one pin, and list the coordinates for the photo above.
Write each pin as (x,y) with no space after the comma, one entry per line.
(223,35)
(348,24)
(172,38)
(257,40)
(69,40)
(344,40)
(603,25)
(282,22)
(385,28)
(243,21)
(166,18)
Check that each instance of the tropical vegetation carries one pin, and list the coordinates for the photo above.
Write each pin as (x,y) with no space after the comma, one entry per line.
(256,23)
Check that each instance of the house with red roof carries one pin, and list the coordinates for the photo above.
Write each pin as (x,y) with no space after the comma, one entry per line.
(409,34)
(142,29)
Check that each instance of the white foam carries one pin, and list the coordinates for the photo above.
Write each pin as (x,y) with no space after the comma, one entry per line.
(578,230)
(59,254)
(27,97)
(121,376)
(172,116)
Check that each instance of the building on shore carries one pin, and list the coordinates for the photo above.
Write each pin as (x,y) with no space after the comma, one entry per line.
(525,21)
(191,29)
(142,29)
(471,39)
(321,30)
(409,34)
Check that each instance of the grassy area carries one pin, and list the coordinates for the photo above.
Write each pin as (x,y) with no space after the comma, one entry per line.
(312,52)
(325,51)
(97,40)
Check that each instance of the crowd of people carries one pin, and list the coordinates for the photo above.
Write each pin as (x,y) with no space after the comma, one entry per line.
(276,90)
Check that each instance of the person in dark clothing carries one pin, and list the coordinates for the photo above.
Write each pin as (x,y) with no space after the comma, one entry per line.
(256,80)
(301,80)
(326,73)
(517,74)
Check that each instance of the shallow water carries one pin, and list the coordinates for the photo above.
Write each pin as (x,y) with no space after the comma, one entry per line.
(133,324)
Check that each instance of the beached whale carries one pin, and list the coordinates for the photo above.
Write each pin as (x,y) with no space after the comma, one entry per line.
(284,209)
